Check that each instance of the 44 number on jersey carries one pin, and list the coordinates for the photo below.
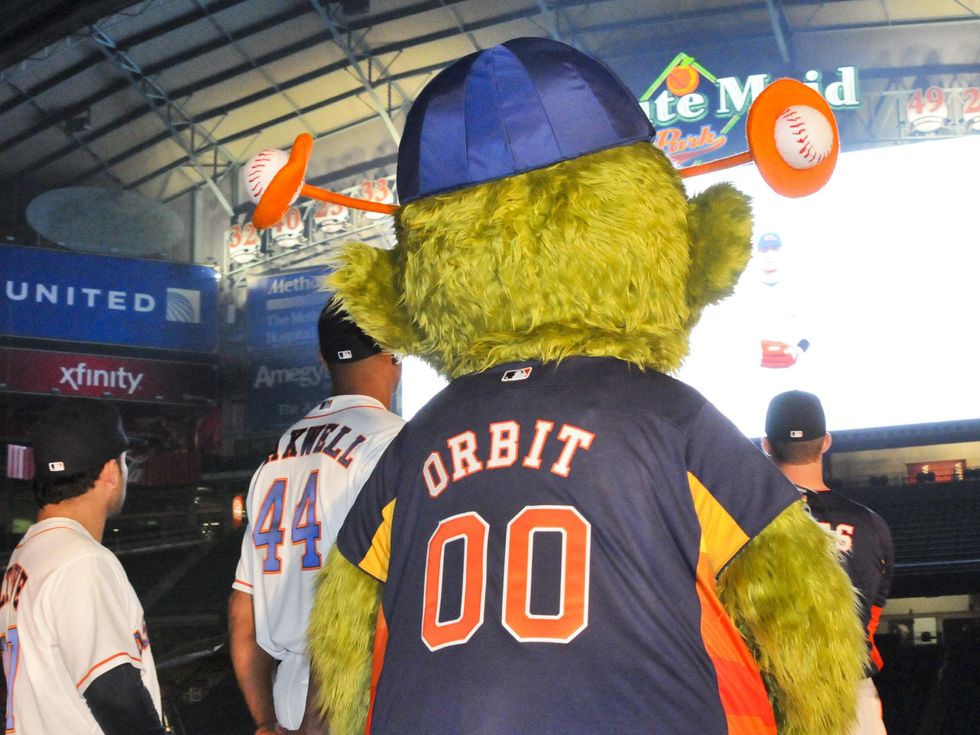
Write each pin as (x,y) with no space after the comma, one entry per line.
(269,531)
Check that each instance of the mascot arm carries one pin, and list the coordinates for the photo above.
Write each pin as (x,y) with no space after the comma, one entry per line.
(719,221)
(368,280)
(792,600)
(341,637)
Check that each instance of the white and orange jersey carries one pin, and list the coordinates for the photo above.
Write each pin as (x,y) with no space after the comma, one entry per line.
(297,501)
(68,614)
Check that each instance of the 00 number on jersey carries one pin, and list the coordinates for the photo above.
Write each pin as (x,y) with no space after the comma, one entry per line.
(525,626)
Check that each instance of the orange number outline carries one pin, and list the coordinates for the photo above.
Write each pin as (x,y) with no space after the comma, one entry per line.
(516,617)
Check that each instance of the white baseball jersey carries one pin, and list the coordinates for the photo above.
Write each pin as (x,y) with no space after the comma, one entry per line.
(297,501)
(68,614)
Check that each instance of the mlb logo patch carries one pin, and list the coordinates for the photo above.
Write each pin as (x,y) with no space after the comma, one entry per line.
(56,466)
(518,374)
(345,355)
(795,434)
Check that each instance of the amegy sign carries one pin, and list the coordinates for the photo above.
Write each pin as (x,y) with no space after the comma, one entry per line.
(105,376)
(694,110)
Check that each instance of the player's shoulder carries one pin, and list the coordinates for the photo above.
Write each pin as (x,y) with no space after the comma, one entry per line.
(62,552)
(858,509)
(58,537)
(846,501)
(352,409)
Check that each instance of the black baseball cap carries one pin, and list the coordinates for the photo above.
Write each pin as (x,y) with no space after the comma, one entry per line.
(77,435)
(795,416)
(341,340)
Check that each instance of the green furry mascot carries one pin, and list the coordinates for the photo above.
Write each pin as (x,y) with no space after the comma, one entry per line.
(570,541)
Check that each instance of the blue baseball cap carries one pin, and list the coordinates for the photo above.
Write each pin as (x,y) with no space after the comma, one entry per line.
(516,107)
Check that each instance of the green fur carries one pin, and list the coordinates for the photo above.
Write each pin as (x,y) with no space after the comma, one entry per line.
(601,255)
(720,222)
(790,597)
(374,279)
(341,640)
(587,257)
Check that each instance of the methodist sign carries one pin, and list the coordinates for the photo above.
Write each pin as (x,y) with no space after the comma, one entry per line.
(700,116)
(283,309)
(51,294)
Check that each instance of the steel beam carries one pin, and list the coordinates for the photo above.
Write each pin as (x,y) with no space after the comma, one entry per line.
(181,126)
(355,66)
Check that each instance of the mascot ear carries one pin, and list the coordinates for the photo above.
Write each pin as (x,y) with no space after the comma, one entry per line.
(720,224)
(369,280)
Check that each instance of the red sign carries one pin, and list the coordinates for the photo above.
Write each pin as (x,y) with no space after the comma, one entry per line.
(942,470)
(104,376)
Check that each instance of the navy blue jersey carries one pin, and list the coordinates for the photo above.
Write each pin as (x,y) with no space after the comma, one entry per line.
(865,541)
(549,535)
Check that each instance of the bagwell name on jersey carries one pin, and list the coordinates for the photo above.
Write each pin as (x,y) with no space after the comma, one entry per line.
(326,438)
(503,438)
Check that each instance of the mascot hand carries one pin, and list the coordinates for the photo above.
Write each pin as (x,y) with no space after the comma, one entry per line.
(719,221)
(341,639)
(791,573)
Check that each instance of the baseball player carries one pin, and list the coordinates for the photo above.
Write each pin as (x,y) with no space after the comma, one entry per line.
(528,527)
(76,654)
(779,318)
(296,503)
(796,439)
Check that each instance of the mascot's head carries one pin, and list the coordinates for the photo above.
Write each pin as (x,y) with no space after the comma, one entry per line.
(538,221)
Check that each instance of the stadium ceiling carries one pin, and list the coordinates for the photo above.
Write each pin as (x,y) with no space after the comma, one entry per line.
(167,96)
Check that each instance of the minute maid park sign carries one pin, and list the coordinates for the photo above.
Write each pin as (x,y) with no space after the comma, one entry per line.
(686,93)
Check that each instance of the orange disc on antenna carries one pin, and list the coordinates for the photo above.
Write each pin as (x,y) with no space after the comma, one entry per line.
(285,185)
(760,129)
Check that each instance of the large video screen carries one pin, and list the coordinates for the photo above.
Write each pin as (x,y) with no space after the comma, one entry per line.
(866,293)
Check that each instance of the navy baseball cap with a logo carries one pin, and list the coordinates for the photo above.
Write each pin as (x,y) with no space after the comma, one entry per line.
(795,416)
(341,340)
(523,105)
(77,435)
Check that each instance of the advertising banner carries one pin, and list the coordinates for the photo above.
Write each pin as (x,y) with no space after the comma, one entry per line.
(53,294)
(284,386)
(283,309)
(699,113)
(104,376)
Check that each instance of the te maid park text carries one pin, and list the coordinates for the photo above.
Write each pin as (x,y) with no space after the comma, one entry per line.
(734,97)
